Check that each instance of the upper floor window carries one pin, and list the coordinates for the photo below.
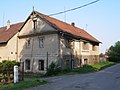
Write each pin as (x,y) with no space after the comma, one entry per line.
(69,43)
(28,43)
(85,46)
(94,48)
(41,42)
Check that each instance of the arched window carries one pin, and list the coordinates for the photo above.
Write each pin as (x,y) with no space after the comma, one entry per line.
(27,64)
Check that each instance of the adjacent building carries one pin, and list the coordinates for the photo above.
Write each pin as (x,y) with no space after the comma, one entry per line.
(42,39)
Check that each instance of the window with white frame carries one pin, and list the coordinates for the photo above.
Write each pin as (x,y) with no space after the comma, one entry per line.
(41,42)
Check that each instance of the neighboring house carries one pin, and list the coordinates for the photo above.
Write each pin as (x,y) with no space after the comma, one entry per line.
(41,40)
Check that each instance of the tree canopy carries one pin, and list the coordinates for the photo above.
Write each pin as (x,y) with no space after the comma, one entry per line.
(114,52)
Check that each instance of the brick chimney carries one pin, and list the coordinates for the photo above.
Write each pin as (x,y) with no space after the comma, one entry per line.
(8,24)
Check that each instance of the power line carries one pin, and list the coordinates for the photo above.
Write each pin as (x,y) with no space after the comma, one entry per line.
(74,8)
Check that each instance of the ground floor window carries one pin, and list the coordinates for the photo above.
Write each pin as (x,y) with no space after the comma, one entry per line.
(85,61)
(41,65)
(27,64)
(67,63)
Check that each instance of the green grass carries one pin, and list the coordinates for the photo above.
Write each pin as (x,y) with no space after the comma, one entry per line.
(84,69)
(103,65)
(90,68)
(94,68)
(22,85)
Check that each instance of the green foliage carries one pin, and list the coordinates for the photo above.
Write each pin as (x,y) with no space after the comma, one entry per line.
(85,69)
(114,52)
(22,85)
(53,69)
(7,68)
(103,65)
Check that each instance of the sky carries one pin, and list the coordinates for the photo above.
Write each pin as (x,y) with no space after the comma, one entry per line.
(101,19)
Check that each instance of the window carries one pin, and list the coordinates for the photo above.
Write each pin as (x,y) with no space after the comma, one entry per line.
(41,42)
(28,43)
(72,44)
(35,24)
(27,64)
(85,61)
(11,52)
(85,46)
(41,65)
(69,43)
(94,48)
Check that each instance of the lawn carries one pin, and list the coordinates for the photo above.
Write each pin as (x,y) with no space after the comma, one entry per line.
(22,85)
(103,65)
(94,68)
(91,68)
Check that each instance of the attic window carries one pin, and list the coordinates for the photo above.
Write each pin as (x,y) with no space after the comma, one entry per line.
(35,24)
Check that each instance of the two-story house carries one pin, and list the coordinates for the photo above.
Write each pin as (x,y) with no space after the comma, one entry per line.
(42,39)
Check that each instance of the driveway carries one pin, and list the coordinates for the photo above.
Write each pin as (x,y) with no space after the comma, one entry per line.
(108,79)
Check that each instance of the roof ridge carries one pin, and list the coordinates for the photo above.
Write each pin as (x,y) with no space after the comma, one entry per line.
(68,27)
(12,24)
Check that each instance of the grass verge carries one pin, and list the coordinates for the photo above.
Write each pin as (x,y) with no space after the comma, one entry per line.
(103,65)
(84,69)
(22,85)
(94,67)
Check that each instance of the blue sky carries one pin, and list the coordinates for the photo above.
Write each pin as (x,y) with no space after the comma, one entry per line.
(102,18)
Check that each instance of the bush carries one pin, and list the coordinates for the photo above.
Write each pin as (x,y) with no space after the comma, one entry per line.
(53,69)
(85,69)
(7,68)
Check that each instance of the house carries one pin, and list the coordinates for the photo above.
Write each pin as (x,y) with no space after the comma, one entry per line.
(42,39)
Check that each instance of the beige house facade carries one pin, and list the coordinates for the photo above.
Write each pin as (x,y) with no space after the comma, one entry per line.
(42,39)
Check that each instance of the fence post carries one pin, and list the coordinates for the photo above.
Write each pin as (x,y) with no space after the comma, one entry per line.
(47,61)
(22,71)
(15,74)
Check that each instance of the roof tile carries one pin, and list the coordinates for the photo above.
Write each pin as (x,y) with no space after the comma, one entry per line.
(68,28)
(5,35)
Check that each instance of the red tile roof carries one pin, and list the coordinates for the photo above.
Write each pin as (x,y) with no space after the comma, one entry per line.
(68,28)
(5,34)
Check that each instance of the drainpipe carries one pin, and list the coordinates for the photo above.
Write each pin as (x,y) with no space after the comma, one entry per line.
(17,48)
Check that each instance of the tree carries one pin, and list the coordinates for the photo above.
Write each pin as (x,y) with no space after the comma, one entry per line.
(114,52)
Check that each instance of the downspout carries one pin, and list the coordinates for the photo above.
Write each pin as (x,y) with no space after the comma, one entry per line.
(17,48)
(32,53)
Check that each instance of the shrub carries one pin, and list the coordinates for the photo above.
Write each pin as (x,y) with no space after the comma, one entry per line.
(85,69)
(53,69)
(7,68)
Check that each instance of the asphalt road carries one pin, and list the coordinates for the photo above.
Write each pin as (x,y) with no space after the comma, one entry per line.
(108,79)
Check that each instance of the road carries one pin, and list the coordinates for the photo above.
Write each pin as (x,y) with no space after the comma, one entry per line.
(108,79)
